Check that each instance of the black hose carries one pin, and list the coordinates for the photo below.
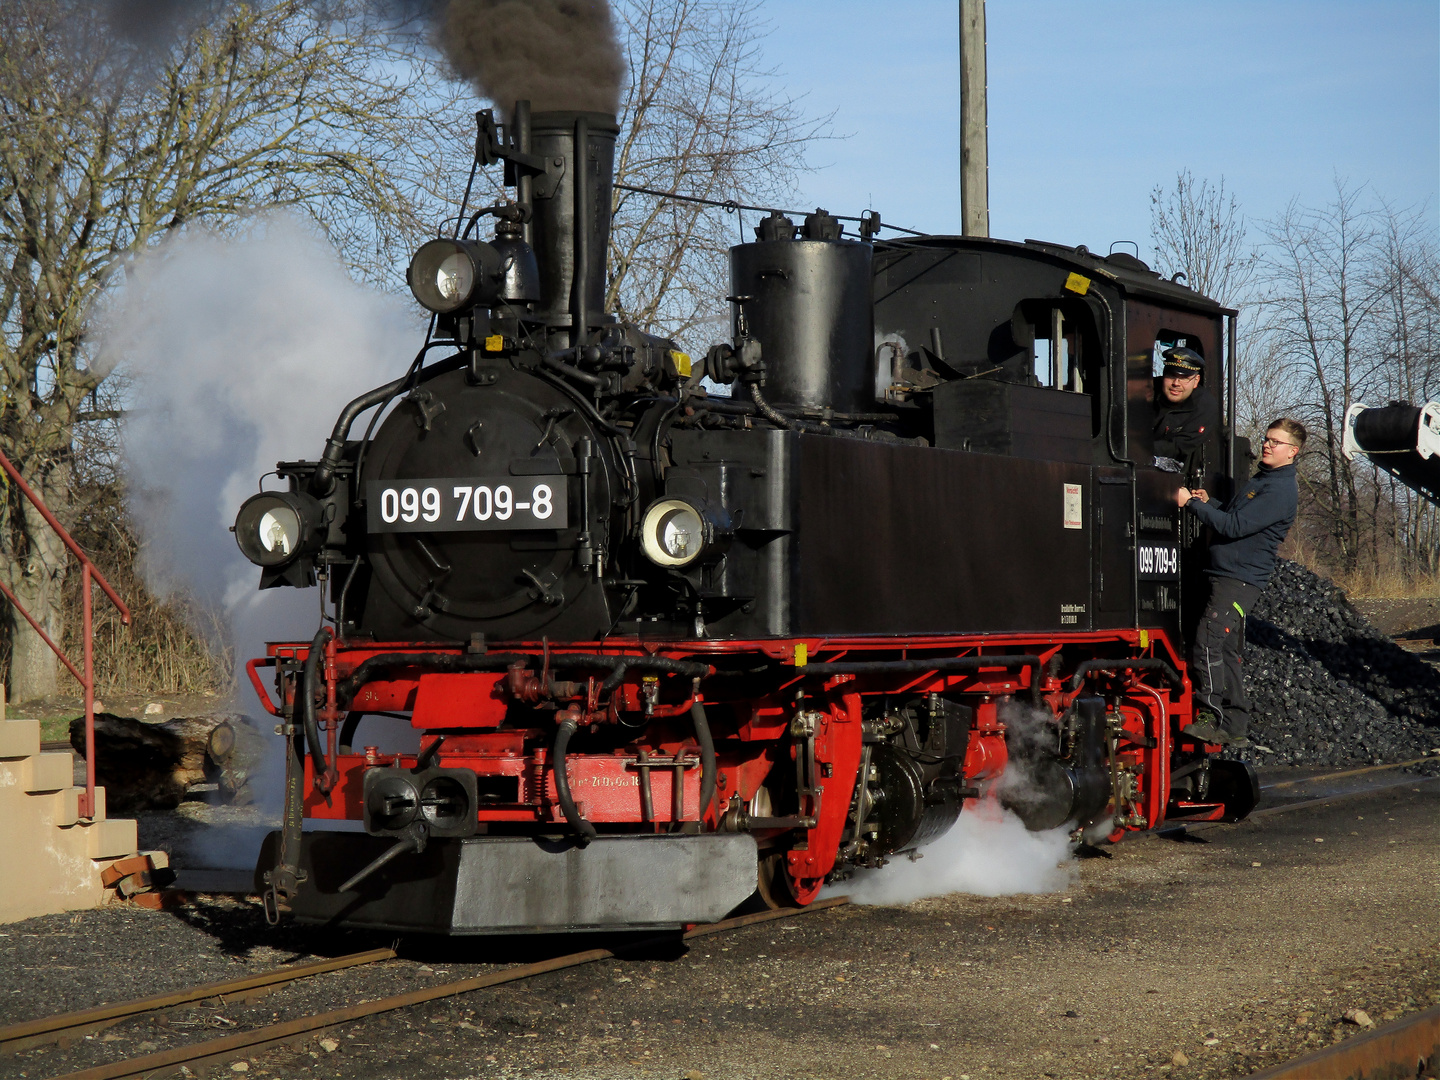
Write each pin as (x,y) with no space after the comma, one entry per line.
(707,757)
(308,676)
(322,480)
(1144,663)
(664,664)
(583,828)
(730,407)
(763,407)
(556,364)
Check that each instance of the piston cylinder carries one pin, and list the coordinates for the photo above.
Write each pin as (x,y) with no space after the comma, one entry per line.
(808,303)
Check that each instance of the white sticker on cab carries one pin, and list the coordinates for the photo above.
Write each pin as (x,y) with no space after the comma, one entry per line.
(1073,518)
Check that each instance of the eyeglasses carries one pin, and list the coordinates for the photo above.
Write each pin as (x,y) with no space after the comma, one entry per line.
(1276,442)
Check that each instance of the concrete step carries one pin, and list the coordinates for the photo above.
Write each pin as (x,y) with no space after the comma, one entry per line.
(51,860)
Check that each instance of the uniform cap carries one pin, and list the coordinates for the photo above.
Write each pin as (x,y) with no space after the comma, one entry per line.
(1182,361)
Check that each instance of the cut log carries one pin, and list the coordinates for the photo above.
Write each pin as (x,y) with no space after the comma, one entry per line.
(152,766)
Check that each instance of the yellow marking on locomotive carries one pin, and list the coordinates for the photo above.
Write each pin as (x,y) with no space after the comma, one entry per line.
(682,363)
(1144,639)
(802,655)
(494,343)
(1078,283)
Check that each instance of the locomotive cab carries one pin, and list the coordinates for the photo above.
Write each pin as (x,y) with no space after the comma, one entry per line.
(661,647)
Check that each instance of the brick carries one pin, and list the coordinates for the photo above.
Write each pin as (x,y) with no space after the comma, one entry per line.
(161,901)
(47,772)
(111,837)
(19,738)
(131,884)
(120,868)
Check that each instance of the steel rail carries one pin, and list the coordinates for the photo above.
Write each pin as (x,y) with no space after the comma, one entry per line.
(1323,800)
(1405,1048)
(1177,825)
(30,1033)
(218,1051)
(1345,773)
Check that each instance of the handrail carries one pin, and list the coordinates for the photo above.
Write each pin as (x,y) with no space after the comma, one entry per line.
(88,573)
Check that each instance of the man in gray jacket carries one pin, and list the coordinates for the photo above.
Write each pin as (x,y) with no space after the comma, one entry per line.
(1248,531)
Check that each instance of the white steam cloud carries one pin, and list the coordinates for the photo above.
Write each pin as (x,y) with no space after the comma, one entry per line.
(988,852)
(240,352)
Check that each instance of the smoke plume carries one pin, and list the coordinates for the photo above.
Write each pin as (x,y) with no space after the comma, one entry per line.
(153,25)
(240,353)
(989,852)
(559,54)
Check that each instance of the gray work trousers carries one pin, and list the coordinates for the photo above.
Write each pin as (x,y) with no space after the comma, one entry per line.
(1215,656)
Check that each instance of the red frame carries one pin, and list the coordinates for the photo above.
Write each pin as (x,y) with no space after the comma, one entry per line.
(470,708)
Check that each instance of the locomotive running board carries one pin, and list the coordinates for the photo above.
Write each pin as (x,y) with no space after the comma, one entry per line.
(518,885)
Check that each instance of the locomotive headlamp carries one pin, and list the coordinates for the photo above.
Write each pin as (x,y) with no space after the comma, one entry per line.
(275,527)
(453,275)
(675,532)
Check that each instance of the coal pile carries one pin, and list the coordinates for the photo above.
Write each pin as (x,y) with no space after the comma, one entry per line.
(1326,687)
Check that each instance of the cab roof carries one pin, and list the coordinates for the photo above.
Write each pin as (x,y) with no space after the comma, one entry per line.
(1120,268)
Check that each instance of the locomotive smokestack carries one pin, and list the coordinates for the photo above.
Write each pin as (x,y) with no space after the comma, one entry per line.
(571,222)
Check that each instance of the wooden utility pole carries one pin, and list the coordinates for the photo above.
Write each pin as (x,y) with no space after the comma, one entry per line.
(974,125)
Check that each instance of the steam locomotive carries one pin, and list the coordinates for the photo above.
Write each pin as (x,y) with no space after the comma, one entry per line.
(667,650)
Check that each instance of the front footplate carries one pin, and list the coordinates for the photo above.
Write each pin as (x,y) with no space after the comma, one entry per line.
(517,885)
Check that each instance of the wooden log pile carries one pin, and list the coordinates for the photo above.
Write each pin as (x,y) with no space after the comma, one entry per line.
(155,766)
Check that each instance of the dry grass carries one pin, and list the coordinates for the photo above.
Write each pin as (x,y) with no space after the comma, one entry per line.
(171,647)
(1390,581)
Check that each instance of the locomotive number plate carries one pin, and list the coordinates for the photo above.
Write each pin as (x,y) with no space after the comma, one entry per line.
(467,504)
(1158,560)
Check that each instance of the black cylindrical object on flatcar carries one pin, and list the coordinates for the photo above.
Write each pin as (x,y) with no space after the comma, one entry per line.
(1404,440)
(552,135)
(810,308)
(1387,430)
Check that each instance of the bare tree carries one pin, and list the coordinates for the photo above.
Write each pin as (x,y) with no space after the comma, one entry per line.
(702,117)
(104,150)
(1320,300)
(1197,229)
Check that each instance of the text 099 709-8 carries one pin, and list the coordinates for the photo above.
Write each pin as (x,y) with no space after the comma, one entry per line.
(467,504)
(1158,560)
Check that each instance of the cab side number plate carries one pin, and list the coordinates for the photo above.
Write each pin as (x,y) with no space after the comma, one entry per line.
(1159,560)
(467,504)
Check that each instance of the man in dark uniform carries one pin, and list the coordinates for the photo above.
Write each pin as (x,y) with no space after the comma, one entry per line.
(1184,410)
(1248,531)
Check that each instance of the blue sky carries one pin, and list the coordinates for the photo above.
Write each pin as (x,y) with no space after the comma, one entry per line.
(1092,104)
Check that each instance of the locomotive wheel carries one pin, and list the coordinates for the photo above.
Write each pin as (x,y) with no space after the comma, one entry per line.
(777,887)
(772,882)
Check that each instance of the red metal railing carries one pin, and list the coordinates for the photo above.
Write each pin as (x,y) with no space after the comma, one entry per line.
(87,574)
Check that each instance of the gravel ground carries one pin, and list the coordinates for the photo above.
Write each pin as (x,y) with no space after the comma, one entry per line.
(1165,952)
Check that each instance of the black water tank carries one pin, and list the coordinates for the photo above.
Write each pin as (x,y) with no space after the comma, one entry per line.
(810,308)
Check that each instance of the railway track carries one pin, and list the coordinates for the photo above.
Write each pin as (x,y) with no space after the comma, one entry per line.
(1304,802)
(226,1048)
(1402,1049)
(1399,1040)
